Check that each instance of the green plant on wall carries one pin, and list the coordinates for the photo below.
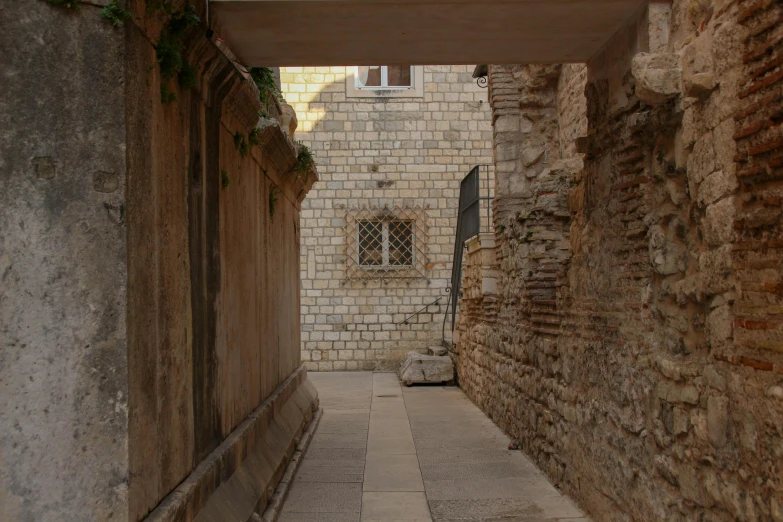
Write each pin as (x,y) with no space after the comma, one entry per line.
(264,78)
(225,181)
(241,144)
(166,94)
(254,138)
(170,50)
(273,191)
(115,14)
(304,161)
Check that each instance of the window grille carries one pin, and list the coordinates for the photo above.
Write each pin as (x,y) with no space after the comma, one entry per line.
(384,244)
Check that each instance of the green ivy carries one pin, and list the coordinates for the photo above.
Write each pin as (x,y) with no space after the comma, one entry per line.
(115,14)
(225,181)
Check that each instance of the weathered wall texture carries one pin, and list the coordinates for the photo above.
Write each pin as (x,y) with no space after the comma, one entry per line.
(63,366)
(634,346)
(213,278)
(370,151)
(111,400)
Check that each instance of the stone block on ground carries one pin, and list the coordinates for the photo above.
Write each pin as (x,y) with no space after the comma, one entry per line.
(426,369)
(437,350)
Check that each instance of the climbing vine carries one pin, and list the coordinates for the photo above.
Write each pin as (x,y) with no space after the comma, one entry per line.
(225,181)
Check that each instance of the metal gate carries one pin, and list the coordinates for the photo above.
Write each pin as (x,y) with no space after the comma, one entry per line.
(468,225)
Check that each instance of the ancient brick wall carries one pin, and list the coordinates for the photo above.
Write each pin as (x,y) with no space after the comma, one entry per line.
(636,348)
(375,150)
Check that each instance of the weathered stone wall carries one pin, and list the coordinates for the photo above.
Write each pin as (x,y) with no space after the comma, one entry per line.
(377,151)
(635,350)
(150,295)
(63,270)
(213,276)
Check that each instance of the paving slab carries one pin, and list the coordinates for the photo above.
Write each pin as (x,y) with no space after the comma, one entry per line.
(395,507)
(320,517)
(385,472)
(484,489)
(391,445)
(331,497)
(385,453)
(485,508)
(330,475)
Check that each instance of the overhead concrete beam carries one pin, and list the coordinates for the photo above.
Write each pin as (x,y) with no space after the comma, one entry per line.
(429,32)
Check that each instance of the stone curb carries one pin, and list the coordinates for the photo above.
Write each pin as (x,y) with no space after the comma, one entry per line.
(275,506)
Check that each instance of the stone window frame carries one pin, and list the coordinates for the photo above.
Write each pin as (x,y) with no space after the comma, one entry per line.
(416,215)
(415,91)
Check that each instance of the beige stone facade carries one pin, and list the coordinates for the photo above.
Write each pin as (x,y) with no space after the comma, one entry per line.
(634,344)
(402,154)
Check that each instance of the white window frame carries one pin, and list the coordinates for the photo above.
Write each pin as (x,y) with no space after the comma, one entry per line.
(386,246)
(384,80)
(353,90)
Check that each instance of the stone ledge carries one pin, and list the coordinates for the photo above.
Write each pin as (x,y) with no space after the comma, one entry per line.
(219,71)
(242,473)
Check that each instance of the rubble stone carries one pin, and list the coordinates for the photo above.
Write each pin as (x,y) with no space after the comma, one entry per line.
(657,76)
(426,369)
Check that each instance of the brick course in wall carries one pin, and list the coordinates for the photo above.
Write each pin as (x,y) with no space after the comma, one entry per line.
(634,344)
(378,152)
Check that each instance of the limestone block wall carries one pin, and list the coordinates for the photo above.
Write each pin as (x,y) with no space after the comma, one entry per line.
(213,319)
(375,152)
(63,266)
(149,304)
(633,346)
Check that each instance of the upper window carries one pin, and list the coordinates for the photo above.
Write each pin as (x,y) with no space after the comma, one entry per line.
(384,81)
(384,77)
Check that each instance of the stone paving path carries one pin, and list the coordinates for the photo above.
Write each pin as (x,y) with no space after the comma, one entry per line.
(386,453)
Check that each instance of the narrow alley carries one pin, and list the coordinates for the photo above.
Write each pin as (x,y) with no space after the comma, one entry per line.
(561,221)
(385,453)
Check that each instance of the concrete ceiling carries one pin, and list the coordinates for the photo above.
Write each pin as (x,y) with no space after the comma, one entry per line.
(426,32)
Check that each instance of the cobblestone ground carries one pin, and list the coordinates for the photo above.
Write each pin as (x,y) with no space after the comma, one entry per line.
(387,453)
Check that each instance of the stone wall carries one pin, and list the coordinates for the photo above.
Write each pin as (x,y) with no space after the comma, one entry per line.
(376,151)
(150,296)
(63,267)
(634,344)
